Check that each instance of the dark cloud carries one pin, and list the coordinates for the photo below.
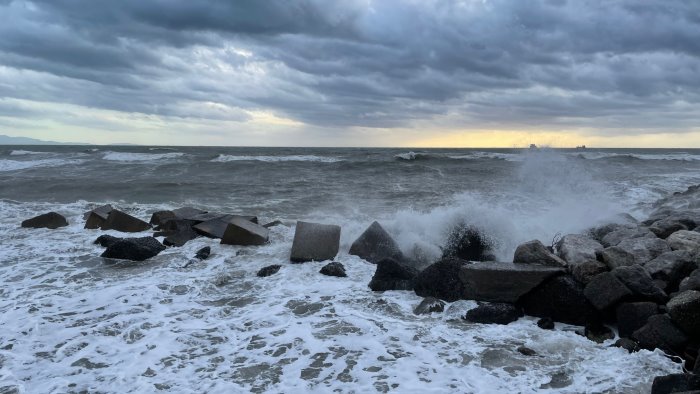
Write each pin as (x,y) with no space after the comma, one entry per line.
(363,63)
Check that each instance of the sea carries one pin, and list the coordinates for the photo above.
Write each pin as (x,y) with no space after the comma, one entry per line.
(73,323)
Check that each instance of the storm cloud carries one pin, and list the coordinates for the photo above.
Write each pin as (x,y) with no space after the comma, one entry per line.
(624,66)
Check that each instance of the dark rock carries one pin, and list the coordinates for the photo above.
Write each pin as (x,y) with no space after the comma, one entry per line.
(441,280)
(160,217)
(640,283)
(633,316)
(494,313)
(244,232)
(627,344)
(429,305)
(684,310)
(630,232)
(376,244)
(96,218)
(103,211)
(685,240)
(120,221)
(576,249)
(203,254)
(672,267)
(134,249)
(51,220)
(526,351)
(696,370)
(615,256)
(545,323)
(644,249)
(605,291)
(180,238)
(676,383)
(500,282)
(661,333)
(534,252)
(334,269)
(598,233)
(216,227)
(269,270)
(393,275)
(106,240)
(272,224)
(598,333)
(315,242)
(692,282)
(585,271)
(560,298)
(665,227)
(467,243)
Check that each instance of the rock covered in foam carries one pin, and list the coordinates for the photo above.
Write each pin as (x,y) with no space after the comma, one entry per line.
(376,244)
(51,220)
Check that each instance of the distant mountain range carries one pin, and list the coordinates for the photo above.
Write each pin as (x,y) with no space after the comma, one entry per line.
(7,140)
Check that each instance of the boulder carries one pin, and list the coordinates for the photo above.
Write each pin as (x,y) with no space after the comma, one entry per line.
(134,249)
(627,344)
(526,351)
(598,233)
(534,252)
(120,221)
(467,243)
(606,291)
(576,249)
(644,249)
(685,240)
(429,305)
(640,283)
(245,233)
(393,275)
(684,310)
(180,238)
(672,267)
(560,298)
(676,383)
(376,244)
(441,280)
(615,256)
(334,269)
(585,271)
(598,332)
(545,323)
(216,227)
(106,240)
(692,282)
(160,217)
(494,313)
(665,227)
(51,220)
(315,242)
(499,282)
(633,316)
(615,237)
(269,270)
(203,254)
(660,333)
(96,218)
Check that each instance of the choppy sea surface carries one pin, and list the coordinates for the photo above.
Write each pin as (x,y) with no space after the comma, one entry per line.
(72,323)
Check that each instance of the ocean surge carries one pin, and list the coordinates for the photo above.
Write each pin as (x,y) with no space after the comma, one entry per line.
(140,157)
(311,158)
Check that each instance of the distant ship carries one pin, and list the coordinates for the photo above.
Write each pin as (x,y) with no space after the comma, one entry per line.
(581,147)
(533,146)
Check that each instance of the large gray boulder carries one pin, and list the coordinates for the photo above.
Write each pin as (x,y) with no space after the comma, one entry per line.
(502,282)
(615,237)
(684,310)
(640,284)
(441,280)
(134,249)
(606,291)
(315,242)
(644,249)
(576,249)
(160,217)
(96,218)
(376,244)
(393,275)
(672,267)
(51,220)
(585,271)
(692,282)
(685,240)
(240,231)
(615,256)
(121,221)
(534,252)
(665,227)
(561,299)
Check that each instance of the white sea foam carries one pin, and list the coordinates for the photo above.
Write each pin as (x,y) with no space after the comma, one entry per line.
(312,158)
(489,155)
(15,165)
(25,152)
(140,157)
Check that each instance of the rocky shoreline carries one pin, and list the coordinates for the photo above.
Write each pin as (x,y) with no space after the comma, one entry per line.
(635,281)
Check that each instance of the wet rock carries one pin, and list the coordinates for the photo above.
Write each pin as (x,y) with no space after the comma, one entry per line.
(576,249)
(393,275)
(494,313)
(644,249)
(684,310)
(51,220)
(640,283)
(633,316)
(685,240)
(441,280)
(269,270)
(334,269)
(501,282)
(672,267)
(429,305)
(545,323)
(245,233)
(534,252)
(160,217)
(584,272)
(315,242)
(134,249)
(605,291)
(272,224)
(180,238)
(376,244)
(615,256)
(692,282)
(203,254)
(106,240)
(526,351)
(665,227)
(660,333)
(676,383)
(171,226)
(96,218)
(187,212)
(598,233)
(120,221)
(217,225)
(615,237)
(467,243)
(598,333)
(627,344)
(562,299)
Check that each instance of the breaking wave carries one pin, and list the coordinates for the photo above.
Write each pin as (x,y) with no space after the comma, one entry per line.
(311,158)
(140,157)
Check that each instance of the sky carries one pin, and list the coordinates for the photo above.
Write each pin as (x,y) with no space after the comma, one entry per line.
(430,73)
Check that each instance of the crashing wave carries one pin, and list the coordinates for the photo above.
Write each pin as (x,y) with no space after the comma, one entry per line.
(321,159)
(140,157)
